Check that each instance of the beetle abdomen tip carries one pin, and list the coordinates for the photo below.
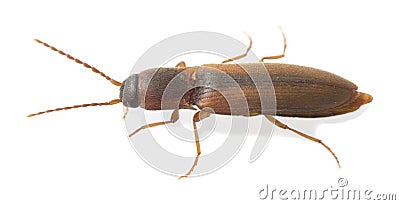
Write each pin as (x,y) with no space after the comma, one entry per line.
(366,98)
(363,98)
(359,100)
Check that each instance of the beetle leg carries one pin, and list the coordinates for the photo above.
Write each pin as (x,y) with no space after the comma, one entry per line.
(283,126)
(181,64)
(284,49)
(241,55)
(174,118)
(126,113)
(200,115)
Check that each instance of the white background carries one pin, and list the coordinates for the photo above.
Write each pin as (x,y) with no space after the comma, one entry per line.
(84,157)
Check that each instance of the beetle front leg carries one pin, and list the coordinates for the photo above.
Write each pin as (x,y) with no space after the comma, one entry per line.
(126,113)
(174,118)
(200,115)
(284,126)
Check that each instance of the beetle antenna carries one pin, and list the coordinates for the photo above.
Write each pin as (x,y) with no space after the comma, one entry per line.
(79,62)
(112,102)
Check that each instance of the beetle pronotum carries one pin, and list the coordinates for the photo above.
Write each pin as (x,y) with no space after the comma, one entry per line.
(299,91)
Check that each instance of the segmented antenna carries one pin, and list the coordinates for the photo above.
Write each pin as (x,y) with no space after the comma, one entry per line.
(95,70)
(112,102)
(79,62)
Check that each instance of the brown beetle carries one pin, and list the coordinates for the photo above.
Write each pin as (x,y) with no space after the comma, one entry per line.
(299,92)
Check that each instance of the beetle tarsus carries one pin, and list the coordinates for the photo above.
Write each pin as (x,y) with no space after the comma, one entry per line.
(200,115)
(192,168)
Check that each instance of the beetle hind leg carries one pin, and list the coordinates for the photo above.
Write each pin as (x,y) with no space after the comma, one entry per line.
(284,126)
(200,115)
(174,118)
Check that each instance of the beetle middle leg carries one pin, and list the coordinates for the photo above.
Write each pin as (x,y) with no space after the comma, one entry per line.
(284,126)
(174,118)
(200,115)
(241,55)
(284,49)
